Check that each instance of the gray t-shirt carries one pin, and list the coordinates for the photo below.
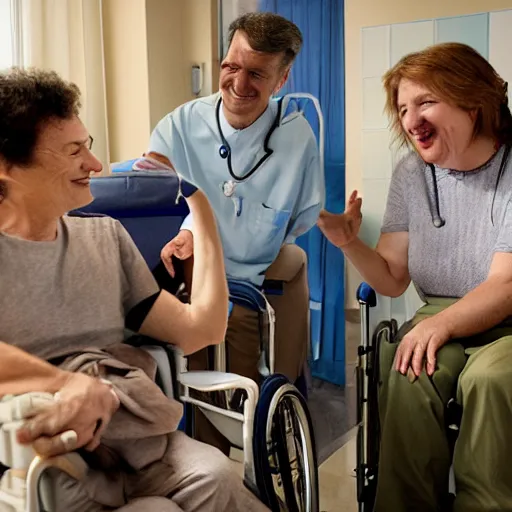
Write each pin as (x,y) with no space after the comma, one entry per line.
(73,292)
(452,260)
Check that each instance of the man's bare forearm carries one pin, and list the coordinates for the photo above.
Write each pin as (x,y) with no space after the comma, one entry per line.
(21,372)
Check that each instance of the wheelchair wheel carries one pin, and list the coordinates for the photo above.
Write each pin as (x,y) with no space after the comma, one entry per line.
(368,431)
(284,449)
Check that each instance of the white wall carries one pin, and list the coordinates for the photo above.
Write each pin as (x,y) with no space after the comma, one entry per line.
(126,71)
(150,47)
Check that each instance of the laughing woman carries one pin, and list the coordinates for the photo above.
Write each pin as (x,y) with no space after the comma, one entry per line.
(448,229)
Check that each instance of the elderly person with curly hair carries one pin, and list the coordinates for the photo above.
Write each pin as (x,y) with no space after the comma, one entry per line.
(70,286)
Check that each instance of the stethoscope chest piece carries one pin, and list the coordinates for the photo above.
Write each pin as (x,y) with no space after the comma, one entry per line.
(223,152)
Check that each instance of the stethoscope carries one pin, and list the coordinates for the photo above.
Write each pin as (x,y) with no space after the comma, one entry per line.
(225,149)
(437,220)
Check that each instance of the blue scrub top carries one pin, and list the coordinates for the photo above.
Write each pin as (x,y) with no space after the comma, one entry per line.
(276,204)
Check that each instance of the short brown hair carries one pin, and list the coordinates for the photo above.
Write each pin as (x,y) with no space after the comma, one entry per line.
(28,99)
(459,75)
(269,33)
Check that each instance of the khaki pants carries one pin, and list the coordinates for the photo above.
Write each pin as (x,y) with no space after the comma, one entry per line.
(193,478)
(415,455)
(243,333)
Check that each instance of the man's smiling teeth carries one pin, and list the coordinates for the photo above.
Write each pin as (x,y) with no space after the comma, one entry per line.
(241,96)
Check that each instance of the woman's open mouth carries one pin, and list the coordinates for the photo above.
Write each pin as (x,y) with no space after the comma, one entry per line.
(425,139)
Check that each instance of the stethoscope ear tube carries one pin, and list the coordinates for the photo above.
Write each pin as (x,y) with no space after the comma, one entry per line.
(437,220)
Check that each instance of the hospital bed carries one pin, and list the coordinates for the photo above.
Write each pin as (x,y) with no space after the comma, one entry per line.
(272,427)
(375,328)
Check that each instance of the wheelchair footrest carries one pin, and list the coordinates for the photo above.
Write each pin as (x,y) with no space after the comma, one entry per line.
(13,492)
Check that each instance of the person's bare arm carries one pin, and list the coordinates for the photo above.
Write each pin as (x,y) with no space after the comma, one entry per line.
(486,305)
(203,322)
(21,372)
(385,268)
(86,404)
(482,308)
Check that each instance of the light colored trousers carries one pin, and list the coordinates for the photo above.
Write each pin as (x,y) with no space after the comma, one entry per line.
(199,478)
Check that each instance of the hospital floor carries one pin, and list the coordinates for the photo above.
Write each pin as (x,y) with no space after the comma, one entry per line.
(336,475)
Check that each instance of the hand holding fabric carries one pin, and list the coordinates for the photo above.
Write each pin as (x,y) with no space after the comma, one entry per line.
(84,405)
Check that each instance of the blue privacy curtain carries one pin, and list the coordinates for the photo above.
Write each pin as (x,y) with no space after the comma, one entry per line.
(319,70)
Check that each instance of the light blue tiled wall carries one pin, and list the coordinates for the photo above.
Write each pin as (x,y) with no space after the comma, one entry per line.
(500,46)
(383,46)
(471,30)
(410,37)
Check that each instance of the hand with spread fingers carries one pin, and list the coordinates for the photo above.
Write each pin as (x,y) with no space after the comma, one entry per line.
(419,347)
(84,405)
(342,228)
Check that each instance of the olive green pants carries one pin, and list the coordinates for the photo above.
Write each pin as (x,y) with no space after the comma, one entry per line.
(415,454)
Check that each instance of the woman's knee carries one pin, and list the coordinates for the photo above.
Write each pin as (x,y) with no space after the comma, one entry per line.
(489,369)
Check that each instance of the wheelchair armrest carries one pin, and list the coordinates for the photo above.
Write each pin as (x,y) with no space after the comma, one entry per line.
(19,483)
(366,295)
(20,489)
(218,381)
(224,420)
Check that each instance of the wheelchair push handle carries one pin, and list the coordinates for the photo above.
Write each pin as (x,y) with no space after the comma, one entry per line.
(366,295)
(367,299)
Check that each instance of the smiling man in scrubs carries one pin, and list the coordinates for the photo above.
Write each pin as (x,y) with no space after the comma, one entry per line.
(260,170)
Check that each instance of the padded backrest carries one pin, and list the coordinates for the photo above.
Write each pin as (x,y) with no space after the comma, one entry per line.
(145,203)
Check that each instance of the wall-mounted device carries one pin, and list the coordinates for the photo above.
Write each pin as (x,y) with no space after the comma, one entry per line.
(197,79)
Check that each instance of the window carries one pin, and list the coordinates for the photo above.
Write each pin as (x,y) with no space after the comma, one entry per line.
(11,46)
(6,35)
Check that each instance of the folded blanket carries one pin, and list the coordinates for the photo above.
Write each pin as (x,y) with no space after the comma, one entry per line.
(137,433)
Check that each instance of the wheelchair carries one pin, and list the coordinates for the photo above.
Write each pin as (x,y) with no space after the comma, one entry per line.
(272,425)
(373,333)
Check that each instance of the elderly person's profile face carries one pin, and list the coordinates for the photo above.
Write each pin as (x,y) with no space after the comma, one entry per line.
(438,130)
(57,178)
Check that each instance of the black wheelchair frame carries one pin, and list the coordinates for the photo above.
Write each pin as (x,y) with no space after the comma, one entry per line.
(367,384)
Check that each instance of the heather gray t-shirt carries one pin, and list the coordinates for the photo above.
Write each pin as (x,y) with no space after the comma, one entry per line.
(73,292)
(452,260)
